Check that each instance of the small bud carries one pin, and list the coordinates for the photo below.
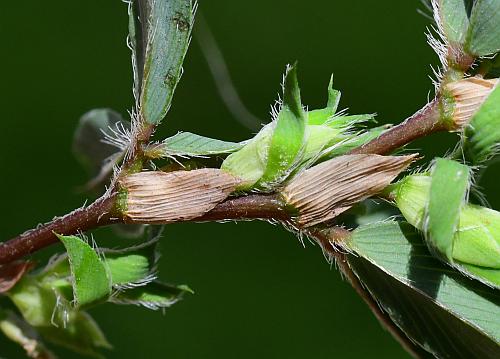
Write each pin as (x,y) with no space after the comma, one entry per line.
(159,197)
(477,239)
(276,150)
(411,196)
(330,188)
(468,95)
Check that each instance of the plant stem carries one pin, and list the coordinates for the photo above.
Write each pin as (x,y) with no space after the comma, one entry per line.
(248,207)
(268,207)
(421,124)
(99,213)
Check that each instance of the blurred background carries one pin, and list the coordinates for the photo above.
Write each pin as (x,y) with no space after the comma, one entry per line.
(259,292)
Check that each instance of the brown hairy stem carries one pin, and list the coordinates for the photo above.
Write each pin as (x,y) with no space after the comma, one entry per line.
(100,213)
(421,124)
(248,207)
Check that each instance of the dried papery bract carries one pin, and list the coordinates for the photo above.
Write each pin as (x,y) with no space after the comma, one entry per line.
(328,189)
(159,197)
(11,273)
(468,95)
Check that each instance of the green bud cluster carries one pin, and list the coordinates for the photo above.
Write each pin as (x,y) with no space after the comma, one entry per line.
(475,242)
(295,139)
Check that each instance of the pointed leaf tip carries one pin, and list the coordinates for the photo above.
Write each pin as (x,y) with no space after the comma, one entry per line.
(90,279)
(289,134)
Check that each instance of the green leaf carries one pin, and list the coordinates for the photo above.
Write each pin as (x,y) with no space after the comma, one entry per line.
(88,145)
(91,282)
(477,238)
(449,187)
(80,334)
(353,142)
(43,306)
(454,20)
(35,302)
(488,275)
(320,116)
(249,163)
(483,132)
(166,29)
(288,137)
(154,295)
(132,266)
(319,138)
(190,144)
(444,312)
(483,37)
(349,121)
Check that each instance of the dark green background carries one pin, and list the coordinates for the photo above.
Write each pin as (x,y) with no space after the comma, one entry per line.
(259,293)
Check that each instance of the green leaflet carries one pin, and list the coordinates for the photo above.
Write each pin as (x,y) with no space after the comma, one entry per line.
(289,134)
(190,144)
(268,158)
(332,138)
(132,265)
(153,295)
(476,241)
(483,133)
(320,137)
(489,275)
(35,302)
(445,313)
(296,140)
(320,116)
(454,19)
(449,187)
(80,334)
(348,121)
(43,306)
(249,163)
(350,143)
(91,282)
(483,37)
(166,30)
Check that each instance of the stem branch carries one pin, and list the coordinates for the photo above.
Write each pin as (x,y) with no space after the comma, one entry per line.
(102,211)
(99,213)
(423,123)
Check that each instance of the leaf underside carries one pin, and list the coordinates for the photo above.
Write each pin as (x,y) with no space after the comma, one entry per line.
(437,307)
